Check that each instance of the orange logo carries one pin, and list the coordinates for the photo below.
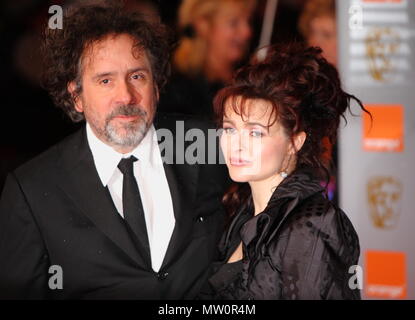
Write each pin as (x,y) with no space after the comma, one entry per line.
(385,133)
(385,275)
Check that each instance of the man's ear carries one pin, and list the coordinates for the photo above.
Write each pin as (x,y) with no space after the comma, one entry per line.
(298,140)
(77,101)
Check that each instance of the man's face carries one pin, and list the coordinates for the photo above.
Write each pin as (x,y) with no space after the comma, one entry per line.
(119,94)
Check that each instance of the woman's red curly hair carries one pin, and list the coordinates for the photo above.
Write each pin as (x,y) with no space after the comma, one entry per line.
(305,94)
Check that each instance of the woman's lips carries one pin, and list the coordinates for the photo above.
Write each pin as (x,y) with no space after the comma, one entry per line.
(239,162)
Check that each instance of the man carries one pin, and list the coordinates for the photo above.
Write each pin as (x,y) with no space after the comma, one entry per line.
(100,216)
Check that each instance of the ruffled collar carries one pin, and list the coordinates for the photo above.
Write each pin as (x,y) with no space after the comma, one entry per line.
(296,187)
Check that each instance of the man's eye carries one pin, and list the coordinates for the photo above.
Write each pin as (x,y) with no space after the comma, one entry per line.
(137,76)
(105,81)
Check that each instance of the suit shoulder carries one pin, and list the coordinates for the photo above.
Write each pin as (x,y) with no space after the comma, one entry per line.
(325,214)
(318,217)
(318,211)
(315,213)
(317,222)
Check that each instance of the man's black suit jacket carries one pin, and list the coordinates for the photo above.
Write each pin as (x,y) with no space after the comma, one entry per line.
(54,210)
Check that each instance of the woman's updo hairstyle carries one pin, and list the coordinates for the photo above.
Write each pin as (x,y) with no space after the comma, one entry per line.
(304,91)
(305,94)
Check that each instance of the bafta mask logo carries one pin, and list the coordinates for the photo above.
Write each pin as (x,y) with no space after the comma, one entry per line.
(384,196)
(381,45)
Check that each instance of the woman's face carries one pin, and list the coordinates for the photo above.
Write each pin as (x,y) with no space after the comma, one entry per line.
(253,150)
(230,32)
(323,34)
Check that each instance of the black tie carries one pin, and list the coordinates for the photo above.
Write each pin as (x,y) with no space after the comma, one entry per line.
(131,200)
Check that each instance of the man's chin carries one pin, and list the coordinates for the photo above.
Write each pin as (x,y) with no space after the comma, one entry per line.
(127,137)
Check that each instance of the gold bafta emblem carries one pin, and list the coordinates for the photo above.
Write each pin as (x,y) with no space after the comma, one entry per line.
(384,196)
(381,44)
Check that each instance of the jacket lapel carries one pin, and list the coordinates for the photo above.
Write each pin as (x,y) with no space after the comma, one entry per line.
(182,199)
(79,180)
(182,181)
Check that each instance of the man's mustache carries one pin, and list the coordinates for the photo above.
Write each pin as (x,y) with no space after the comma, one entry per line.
(127,110)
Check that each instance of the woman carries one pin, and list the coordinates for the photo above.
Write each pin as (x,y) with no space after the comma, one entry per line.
(215,38)
(286,240)
(317,24)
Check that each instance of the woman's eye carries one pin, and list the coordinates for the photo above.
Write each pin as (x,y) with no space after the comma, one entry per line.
(229,130)
(256,133)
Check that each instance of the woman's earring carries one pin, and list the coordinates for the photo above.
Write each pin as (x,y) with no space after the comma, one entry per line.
(284,173)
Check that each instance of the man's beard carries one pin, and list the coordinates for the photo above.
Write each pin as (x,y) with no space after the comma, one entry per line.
(131,133)
(128,133)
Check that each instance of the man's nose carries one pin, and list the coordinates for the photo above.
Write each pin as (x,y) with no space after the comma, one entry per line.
(126,93)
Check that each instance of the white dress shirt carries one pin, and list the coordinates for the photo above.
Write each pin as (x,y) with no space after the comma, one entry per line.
(152,183)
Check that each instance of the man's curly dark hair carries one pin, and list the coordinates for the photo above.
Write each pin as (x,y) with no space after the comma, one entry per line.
(62,49)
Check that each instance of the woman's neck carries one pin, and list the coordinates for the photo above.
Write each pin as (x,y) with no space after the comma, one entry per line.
(262,191)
